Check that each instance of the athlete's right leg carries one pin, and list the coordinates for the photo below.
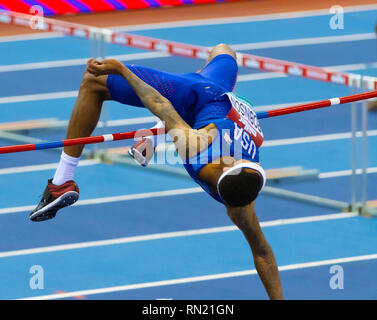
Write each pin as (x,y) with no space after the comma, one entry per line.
(62,191)
(86,113)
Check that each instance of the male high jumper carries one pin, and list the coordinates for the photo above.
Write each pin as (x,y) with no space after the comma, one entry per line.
(216,133)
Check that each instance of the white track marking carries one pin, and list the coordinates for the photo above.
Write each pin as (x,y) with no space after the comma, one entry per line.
(39,97)
(353,67)
(176,234)
(260,76)
(130,121)
(100,124)
(31,36)
(125,197)
(233,20)
(43,167)
(217,276)
(303,41)
(280,105)
(344,173)
(318,138)
(78,62)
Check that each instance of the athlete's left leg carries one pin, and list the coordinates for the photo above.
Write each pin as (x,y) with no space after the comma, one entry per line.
(221,67)
(85,115)
(217,50)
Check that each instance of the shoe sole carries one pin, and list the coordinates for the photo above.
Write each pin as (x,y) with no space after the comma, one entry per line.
(49,211)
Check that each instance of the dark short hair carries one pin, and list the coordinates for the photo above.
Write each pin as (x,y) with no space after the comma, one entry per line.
(239,190)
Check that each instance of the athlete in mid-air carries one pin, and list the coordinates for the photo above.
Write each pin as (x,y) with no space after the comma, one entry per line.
(216,133)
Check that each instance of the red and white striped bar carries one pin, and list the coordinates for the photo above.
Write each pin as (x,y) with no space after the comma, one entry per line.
(187,50)
(318,104)
(82,141)
(157,131)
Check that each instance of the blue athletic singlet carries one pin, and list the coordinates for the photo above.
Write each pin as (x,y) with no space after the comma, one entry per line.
(200,99)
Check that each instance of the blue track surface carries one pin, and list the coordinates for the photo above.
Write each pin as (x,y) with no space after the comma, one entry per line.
(124,260)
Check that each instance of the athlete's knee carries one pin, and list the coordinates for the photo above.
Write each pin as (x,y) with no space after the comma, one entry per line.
(223,48)
(92,83)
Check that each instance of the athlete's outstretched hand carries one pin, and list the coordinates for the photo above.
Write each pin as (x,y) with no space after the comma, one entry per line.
(100,68)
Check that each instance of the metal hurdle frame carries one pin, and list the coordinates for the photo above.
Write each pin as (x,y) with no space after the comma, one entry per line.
(359,201)
(101,36)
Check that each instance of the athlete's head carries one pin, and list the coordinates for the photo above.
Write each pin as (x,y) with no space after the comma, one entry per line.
(240,186)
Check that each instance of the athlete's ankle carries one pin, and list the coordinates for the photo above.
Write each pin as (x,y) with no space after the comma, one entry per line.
(66,169)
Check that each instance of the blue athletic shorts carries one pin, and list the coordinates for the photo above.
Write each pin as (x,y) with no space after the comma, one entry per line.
(197,97)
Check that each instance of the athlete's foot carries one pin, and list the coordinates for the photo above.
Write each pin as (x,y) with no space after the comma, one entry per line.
(142,151)
(55,198)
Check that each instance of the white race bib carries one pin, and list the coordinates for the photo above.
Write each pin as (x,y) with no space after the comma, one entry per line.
(243,114)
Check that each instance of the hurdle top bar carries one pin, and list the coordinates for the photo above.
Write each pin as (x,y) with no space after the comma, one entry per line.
(187,50)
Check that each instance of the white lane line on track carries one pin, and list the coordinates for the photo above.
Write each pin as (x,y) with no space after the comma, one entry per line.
(126,197)
(176,234)
(318,138)
(240,19)
(303,41)
(80,61)
(31,36)
(39,97)
(217,276)
(344,173)
(43,167)
(52,124)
